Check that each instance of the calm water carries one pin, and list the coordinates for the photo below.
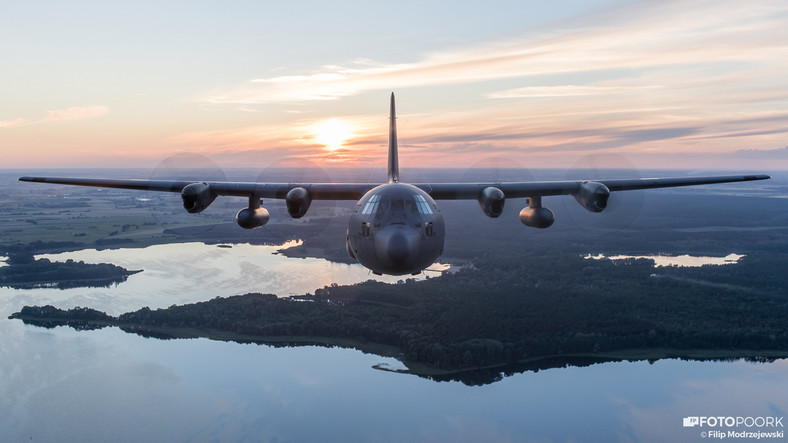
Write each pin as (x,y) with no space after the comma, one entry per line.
(180,273)
(692,261)
(107,385)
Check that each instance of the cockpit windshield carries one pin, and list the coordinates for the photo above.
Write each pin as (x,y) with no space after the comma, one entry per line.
(416,205)
(421,203)
(372,205)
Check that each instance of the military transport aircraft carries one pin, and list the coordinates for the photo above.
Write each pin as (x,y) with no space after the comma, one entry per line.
(396,228)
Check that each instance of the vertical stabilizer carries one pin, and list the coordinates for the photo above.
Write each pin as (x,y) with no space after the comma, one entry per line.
(392,174)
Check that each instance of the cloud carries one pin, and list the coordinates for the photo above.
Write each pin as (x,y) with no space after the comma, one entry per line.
(562,91)
(647,36)
(76,113)
(12,123)
(771,154)
(653,78)
(66,114)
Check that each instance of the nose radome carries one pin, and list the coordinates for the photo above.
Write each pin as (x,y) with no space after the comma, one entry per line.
(397,248)
(396,244)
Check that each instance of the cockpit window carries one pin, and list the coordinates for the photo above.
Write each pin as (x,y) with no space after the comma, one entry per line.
(400,208)
(421,203)
(397,206)
(372,204)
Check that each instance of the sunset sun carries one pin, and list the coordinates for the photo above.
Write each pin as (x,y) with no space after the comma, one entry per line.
(332,133)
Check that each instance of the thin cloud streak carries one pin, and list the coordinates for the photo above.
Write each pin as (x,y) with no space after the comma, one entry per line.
(563,91)
(775,154)
(12,123)
(76,113)
(60,115)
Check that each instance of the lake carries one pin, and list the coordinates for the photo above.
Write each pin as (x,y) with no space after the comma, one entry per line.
(107,385)
(684,260)
(179,273)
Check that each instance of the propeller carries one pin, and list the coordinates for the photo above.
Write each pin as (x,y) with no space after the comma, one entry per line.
(320,213)
(167,208)
(492,169)
(623,207)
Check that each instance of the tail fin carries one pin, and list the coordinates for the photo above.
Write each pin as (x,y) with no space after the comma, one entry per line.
(392,175)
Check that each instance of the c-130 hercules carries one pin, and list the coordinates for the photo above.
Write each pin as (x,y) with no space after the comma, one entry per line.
(396,228)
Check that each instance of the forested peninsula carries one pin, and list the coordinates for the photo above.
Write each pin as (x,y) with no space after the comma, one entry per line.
(501,316)
(23,271)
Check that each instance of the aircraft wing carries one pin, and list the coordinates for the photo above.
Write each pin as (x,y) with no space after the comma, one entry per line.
(461,191)
(317,191)
(354,191)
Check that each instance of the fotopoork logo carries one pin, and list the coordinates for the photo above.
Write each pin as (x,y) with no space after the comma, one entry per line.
(733,422)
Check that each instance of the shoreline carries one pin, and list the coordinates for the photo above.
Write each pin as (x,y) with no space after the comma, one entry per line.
(422,369)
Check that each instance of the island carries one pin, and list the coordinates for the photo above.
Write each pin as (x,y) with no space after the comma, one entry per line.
(23,271)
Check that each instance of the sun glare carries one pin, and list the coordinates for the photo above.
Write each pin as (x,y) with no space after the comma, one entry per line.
(332,133)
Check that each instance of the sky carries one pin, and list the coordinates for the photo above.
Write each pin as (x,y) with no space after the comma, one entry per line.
(699,85)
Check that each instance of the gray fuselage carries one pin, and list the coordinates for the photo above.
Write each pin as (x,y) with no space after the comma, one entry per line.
(396,229)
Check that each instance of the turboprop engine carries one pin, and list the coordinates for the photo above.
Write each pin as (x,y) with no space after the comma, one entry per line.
(592,196)
(196,197)
(298,201)
(491,200)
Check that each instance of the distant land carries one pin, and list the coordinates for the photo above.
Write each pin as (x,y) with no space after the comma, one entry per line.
(529,301)
(22,271)
(53,218)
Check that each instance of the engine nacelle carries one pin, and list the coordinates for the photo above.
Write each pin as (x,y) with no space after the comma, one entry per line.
(197,196)
(491,200)
(537,217)
(592,196)
(250,218)
(298,201)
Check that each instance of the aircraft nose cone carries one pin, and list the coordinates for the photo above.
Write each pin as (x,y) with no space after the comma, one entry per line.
(396,245)
(397,248)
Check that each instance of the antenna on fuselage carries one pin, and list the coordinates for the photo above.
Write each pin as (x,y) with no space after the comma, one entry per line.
(392,175)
